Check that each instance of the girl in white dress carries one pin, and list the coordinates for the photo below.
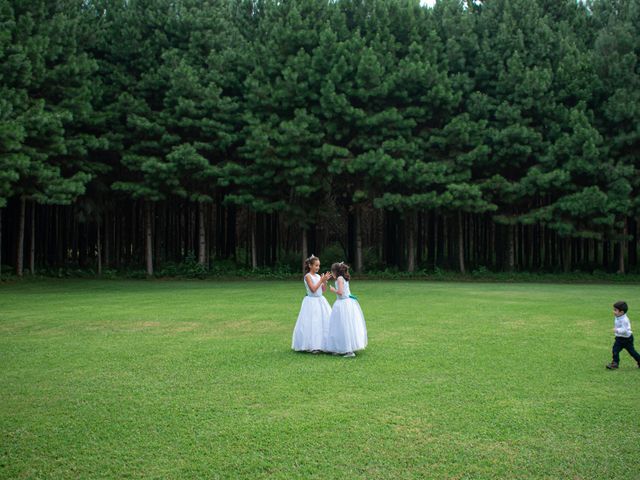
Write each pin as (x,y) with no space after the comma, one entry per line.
(312,326)
(347,329)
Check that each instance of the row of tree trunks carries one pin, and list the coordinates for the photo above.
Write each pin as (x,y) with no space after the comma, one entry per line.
(130,234)
(465,238)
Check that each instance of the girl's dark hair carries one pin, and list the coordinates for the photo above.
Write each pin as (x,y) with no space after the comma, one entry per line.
(622,306)
(341,269)
(308,262)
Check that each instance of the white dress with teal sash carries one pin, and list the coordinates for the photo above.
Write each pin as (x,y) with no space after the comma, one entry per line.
(347,328)
(312,326)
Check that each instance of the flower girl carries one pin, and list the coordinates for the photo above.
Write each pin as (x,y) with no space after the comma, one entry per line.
(312,326)
(347,329)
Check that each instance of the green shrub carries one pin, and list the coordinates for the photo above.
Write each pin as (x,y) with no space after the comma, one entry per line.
(332,253)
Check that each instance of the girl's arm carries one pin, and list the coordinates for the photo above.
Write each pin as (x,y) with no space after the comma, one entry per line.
(314,286)
(340,285)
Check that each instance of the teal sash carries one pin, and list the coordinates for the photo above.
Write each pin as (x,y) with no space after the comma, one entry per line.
(354,297)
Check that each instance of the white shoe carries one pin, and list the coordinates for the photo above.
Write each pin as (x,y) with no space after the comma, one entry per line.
(349,355)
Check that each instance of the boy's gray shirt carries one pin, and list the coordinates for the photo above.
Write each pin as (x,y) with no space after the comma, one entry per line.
(622,326)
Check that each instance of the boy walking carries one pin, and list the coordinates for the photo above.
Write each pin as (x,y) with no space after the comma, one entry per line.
(624,336)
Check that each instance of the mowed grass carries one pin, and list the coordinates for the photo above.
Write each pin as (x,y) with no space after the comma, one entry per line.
(196,379)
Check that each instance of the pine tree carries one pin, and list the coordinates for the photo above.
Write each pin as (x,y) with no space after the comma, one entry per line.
(514,79)
(279,169)
(201,105)
(46,77)
(617,60)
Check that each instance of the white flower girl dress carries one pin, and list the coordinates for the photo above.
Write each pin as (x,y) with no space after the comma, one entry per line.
(347,328)
(312,326)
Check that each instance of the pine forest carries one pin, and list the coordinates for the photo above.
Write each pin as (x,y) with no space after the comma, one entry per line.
(499,134)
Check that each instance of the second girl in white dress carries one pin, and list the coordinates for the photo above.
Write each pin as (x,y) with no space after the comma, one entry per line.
(347,328)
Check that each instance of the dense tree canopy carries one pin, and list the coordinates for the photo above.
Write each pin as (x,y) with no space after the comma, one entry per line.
(502,134)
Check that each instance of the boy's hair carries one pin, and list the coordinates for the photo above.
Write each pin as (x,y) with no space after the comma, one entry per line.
(308,262)
(622,306)
(341,269)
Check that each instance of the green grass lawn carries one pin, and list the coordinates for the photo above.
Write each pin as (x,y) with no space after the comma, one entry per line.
(196,379)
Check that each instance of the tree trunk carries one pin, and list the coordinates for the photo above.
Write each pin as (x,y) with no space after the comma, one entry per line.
(231,232)
(411,242)
(32,240)
(254,249)
(438,235)
(351,240)
(358,234)
(20,244)
(202,240)
(304,248)
(420,226)
(536,245)
(460,244)
(107,239)
(509,249)
(99,246)
(392,241)
(312,239)
(83,241)
(118,238)
(148,238)
(211,235)
(633,242)
(623,244)
(492,251)
(452,238)
(159,229)
(432,239)
(58,236)
(444,241)
(0,243)
(276,236)
(566,254)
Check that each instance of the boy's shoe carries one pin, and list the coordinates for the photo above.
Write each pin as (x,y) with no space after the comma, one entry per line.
(349,355)
(612,365)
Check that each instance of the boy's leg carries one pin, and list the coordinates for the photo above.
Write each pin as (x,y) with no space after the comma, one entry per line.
(617,348)
(628,345)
